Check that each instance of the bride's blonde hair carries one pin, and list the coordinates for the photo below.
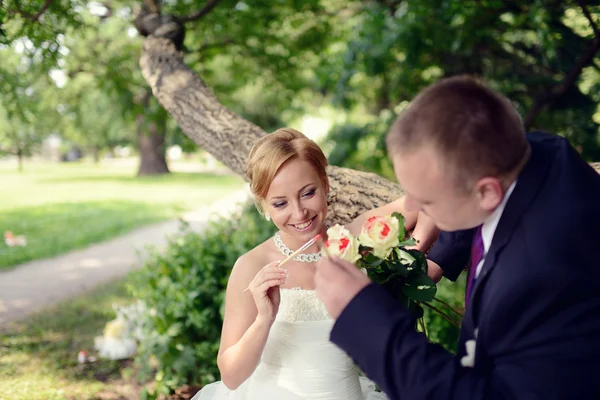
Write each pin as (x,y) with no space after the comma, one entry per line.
(270,152)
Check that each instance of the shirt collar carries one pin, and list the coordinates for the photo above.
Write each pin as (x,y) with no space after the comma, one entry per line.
(489,225)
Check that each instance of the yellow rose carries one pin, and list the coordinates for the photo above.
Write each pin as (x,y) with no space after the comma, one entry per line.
(342,244)
(380,233)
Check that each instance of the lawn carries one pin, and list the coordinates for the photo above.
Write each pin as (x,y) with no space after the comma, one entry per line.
(38,357)
(61,207)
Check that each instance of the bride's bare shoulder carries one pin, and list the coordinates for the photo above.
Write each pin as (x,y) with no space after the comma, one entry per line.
(248,264)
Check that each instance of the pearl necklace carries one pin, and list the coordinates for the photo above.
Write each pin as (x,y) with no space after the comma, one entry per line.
(286,251)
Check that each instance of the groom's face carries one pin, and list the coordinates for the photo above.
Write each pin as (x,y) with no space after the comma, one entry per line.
(432,189)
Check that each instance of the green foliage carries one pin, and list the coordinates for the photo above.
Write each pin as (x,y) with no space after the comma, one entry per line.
(184,287)
(361,147)
(450,299)
(388,51)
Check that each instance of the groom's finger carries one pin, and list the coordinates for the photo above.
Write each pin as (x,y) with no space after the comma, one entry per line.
(333,268)
(348,267)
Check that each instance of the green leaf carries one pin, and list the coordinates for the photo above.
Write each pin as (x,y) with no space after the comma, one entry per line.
(401,225)
(405,257)
(420,288)
(420,260)
(408,242)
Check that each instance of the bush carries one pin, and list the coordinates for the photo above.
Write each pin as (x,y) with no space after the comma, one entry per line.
(184,290)
(439,330)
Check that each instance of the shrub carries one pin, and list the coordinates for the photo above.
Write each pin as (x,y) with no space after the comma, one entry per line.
(183,287)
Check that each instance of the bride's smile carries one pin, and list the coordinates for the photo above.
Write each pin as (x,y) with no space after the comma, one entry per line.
(304,225)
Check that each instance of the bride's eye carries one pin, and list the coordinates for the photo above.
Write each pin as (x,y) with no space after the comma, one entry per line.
(279,204)
(310,193)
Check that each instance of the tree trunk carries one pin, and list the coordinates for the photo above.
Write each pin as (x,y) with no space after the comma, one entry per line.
(20,158)
(229,137)
(96,154)
(151,147)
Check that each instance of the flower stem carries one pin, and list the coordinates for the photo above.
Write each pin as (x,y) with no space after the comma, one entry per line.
(446,317)
(448,305)
(422,323)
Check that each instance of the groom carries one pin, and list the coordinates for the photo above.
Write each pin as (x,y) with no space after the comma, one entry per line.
(523,212)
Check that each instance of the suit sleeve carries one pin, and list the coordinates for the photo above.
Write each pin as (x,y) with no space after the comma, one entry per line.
(451,252)
(381,338)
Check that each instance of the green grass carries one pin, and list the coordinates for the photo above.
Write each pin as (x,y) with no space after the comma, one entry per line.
(38,358)
(62,207)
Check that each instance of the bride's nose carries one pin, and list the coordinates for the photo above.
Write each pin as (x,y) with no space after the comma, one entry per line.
(299,211)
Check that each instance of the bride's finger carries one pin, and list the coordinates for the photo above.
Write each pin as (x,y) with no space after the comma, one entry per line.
(263,287)
(271,275)
(271,265)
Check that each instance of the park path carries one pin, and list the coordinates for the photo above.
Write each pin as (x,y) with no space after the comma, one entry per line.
(35,285)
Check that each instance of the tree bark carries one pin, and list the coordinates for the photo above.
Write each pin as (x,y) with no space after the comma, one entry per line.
(151,146)
(229,137)
(20,158)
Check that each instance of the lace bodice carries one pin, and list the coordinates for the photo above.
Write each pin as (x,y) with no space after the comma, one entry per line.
(298,305)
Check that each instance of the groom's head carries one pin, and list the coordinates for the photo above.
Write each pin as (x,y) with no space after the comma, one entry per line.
(456,149)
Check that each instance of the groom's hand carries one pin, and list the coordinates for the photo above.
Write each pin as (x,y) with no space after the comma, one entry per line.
(337,282)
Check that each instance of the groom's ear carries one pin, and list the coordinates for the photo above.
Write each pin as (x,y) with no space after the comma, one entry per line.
(489,193)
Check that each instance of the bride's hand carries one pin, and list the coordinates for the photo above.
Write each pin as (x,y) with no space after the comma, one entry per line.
(265,290)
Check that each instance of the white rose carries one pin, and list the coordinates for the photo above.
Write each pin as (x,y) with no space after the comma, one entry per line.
(337,232)
(342,244)
(380,233)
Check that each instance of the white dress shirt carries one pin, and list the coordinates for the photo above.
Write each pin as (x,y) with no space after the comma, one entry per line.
(489,226)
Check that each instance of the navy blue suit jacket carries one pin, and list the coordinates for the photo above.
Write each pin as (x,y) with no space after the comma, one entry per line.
(534,311)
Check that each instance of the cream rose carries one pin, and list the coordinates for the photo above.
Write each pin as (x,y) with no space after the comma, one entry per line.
(380,233)
(337,232)
(342,244)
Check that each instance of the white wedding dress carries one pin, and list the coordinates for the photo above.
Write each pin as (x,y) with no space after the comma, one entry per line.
(299,361)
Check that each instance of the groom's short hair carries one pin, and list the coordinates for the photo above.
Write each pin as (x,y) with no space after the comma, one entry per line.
(475,130)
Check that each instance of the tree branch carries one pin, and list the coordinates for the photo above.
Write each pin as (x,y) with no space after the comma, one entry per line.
(152,6)
(20,10)
(547,98)
(42,10)
(32,17)
(229,137)
(587,14)
(210,4)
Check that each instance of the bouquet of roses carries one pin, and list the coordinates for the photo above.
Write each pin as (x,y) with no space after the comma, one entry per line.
(380,251)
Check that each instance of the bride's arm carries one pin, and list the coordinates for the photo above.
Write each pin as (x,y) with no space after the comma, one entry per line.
(244,332)
(424,227)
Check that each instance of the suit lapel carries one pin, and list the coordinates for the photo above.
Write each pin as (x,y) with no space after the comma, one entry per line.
(528,186)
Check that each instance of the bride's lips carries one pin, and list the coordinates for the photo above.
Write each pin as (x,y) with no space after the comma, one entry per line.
(304,226)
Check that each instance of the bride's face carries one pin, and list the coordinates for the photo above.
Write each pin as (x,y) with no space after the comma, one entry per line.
(297,201)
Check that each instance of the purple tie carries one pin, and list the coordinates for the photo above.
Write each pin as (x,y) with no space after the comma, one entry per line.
(476,255)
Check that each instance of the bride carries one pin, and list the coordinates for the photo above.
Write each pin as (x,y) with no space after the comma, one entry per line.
(275,338)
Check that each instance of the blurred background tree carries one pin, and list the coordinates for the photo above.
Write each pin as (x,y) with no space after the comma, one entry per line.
(275,62)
